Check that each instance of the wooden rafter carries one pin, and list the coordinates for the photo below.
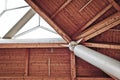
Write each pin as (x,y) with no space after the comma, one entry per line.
(33,45)
(92,20)
(102,30)
(73,67)
(100,27)
(102,45)
(115,4)
(62,7)
(19,24)
(49,20)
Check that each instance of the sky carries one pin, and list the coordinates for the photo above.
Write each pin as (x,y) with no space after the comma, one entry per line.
(11,17)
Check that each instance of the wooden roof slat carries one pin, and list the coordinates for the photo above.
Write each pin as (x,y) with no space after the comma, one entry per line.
(92,20)
(62,7)
(102,45)
(33,45)
(115,5)
(19,24)
(49,20)
(103,25)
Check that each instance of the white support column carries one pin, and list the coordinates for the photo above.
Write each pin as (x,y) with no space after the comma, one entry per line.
(103,62)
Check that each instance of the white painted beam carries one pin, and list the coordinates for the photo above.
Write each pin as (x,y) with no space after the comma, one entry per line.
(19,24)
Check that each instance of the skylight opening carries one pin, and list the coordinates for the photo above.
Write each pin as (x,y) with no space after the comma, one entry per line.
(9,19)
(11,11)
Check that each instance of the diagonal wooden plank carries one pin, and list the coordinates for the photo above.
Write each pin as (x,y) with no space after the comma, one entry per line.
(102,45)
(92,20)
(19,24)
(102,30)
(49,20)
(62,7)
(100,27)
(115,4)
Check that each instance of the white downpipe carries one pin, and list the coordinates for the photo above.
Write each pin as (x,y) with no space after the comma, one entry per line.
(103,62)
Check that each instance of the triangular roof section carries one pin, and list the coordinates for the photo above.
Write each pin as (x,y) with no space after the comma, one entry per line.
(50,21)
(31,26)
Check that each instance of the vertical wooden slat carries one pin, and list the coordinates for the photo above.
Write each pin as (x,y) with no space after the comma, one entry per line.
(49,67)
(73,67)
(27,63)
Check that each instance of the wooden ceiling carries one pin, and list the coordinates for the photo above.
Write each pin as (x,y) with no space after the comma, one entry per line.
(75,19)
(96,22)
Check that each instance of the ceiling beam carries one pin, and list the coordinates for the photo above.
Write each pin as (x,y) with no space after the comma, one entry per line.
(62,7)
(19,24)
(33,45)
(115,4)
(102,45)
(92,20)
(100,27)
(49,20)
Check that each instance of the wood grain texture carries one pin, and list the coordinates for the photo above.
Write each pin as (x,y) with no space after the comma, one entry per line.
(12,62)
(59,62)
(92,20)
